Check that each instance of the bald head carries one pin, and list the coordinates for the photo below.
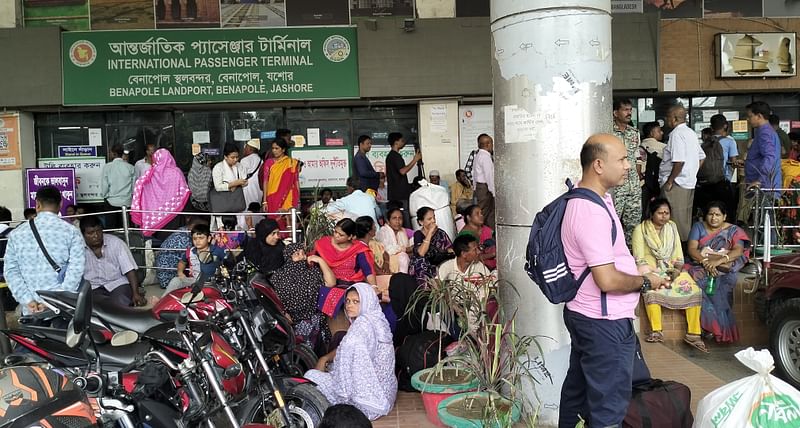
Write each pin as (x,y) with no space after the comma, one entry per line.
(597,147)
(676,115)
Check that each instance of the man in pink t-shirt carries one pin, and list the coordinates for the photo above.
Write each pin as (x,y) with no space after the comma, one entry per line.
(599,319)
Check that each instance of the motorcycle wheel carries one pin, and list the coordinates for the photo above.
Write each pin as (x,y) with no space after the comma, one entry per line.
(784,340)
(303,359)
(305,403)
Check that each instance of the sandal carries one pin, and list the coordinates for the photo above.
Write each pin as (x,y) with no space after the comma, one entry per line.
(654,337)
(696,341)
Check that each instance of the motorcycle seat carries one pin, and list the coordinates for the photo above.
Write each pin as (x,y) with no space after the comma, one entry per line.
(125,318)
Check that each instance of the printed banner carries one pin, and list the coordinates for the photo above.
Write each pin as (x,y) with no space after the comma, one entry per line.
(195,66)
(88,173)
(626,6)
(68,14)
(317,12)
(122,14)
(323,167)
(675,9)
(62,179)
(243,14)
(394,7)
(9,141)
(377,157)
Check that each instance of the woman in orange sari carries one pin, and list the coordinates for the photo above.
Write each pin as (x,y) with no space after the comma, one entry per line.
(280,179)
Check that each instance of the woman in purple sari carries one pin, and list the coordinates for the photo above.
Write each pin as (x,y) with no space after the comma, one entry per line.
(361,369)
(432,246)
(717,251)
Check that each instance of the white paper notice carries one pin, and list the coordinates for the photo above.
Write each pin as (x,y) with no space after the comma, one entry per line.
(731,115)
(519,124)
(201,137)
(647,116)
(241,134)
(313,136)
(670,80)
(438,119)
(96,137)
(786,126)
(708,113)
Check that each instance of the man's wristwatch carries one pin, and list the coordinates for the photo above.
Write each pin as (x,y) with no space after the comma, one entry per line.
(646,285)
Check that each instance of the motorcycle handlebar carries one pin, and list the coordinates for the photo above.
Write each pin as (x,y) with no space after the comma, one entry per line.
(183,318)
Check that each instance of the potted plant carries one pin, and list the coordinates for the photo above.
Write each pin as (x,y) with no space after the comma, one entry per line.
(489,350)
(317,224)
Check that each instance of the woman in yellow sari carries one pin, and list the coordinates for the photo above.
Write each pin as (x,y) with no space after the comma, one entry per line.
(657,248)
(280,179)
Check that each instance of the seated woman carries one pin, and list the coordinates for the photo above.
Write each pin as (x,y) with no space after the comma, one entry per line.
(365,232)
(362,372)
(266,250)
(395,241)
(297,283)
(432,246)
(657,248)
(473,225)
(717,250)
(348,258)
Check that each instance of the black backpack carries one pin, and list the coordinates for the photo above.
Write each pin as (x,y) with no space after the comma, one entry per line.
(712,170)
(651,166)
(419,351)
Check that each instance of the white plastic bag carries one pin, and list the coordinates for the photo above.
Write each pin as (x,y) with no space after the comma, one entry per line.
(434,196)
(757,401)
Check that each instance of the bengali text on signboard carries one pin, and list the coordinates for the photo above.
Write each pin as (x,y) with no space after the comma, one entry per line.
(190,66)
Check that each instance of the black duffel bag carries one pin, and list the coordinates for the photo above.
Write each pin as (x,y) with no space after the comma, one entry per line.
(659,404)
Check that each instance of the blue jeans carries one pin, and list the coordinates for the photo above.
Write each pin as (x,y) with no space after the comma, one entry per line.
(598,383)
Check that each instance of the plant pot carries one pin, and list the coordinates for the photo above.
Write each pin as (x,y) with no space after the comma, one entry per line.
(435,389)
(465,410)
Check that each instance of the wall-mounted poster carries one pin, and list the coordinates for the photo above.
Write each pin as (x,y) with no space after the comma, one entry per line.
(626,6)
(9,141)
(187,13)
(122,14)
(732,8)
(756,54)
(68,14)
(775,8)
(671,9)
(382,7)
(465,8)
(317,12)
(249,13)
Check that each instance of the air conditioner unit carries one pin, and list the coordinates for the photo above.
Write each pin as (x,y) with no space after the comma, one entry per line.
(755,54)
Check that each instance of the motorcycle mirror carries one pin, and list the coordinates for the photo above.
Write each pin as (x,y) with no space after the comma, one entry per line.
(125,337)
(82,317)
(192,297)
(73,339)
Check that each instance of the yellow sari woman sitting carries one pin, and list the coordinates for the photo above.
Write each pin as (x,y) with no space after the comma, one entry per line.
(657,248)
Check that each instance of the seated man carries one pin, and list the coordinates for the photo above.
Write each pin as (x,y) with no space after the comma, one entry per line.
(201,258)
(110,267)
(467,264)
(355,204)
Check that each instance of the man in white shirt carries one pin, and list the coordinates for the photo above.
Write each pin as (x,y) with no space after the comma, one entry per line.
(143,164)
(467,264)
(355,204)
(678,173)
(251,162)
(483,177)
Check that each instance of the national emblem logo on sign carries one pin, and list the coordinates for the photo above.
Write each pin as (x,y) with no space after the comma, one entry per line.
(336,48)
(82,53)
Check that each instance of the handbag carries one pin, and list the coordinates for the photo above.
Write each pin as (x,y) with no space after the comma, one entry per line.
(60,270)
(231,201)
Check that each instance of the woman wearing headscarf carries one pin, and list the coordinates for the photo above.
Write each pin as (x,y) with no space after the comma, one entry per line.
(362,372)
(266,250)
(297,283)
(159,194)
(200,181)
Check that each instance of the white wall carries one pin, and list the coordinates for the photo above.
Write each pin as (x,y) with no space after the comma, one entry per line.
(12,182)
(439,140)
(8,13)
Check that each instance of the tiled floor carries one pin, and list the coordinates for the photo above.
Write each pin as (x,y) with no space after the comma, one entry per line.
(663,362)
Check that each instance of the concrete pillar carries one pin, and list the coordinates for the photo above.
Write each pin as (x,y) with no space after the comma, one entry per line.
(551,66)
(12,181)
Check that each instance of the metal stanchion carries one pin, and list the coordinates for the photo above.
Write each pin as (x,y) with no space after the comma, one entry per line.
(125,229)
(294,225)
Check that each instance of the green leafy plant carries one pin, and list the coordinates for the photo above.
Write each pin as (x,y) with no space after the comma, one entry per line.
(489,348)
(317,224)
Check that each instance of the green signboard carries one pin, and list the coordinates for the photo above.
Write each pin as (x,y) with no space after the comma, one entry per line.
(219,65)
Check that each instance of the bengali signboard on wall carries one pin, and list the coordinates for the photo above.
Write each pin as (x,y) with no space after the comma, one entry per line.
(88,174)
(195,66)
(62,179)
(323,166)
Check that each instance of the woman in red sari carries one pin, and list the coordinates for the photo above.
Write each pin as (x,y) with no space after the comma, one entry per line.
(348,258)
(280,179)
